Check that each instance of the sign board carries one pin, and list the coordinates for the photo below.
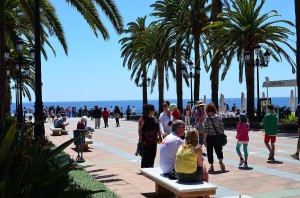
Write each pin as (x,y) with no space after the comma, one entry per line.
(280,83)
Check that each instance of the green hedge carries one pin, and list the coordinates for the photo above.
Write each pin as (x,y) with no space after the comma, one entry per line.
(135,117)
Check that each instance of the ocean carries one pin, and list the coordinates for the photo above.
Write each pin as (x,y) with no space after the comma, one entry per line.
(280,101)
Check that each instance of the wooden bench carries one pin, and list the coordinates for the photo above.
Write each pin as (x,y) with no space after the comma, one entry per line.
(56,131)
(85,146)
(165,186)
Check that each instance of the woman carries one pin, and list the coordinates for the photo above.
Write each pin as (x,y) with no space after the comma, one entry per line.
(117,115)
(148,136)
(200,116)
(165,120)
(187,115)
(105,115)
(211,141)
(189,165)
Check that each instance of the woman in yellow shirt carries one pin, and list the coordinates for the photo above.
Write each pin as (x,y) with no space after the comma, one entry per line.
(189,165)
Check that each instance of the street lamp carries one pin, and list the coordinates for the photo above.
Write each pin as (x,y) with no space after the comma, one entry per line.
(20,71)
(145,83)
(262,60)
(190,75)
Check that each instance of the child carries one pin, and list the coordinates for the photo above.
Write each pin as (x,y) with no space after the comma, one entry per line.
(243,138)
(270,123)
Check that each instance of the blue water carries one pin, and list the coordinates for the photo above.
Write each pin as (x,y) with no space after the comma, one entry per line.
(281,101)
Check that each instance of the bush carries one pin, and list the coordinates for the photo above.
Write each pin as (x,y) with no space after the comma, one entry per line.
(135,117)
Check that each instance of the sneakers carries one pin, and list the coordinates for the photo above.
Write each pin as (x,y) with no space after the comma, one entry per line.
(242,161)
(222,166)
(295,155)
(211,168)
(271,156)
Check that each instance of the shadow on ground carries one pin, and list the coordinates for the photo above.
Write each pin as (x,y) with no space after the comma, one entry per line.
(218,172)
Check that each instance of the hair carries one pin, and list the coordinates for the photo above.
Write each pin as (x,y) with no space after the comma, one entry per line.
(211,107)
(191,139)
(188,107)
(148,108)
(271,107)
(243,118)
(177,124)
(167,103)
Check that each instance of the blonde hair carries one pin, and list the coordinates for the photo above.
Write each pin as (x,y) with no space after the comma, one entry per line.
(191,139)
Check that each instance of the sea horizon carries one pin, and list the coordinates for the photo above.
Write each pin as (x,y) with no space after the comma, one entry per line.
(277,101)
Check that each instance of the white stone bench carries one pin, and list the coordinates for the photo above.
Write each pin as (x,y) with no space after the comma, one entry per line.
(165,186)
(56,131)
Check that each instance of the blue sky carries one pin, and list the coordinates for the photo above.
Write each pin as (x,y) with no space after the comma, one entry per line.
(93,70)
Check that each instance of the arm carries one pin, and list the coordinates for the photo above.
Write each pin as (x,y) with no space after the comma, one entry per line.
(198,151)
(161,127)
(141,124)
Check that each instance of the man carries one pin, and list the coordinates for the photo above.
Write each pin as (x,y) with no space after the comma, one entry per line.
(59,122)
(84,112)
(170,145)
(270,123)
(97,115)
(297,114)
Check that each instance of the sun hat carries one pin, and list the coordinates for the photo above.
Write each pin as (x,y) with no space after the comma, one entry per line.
(84,118)
(201,104)
(172,106)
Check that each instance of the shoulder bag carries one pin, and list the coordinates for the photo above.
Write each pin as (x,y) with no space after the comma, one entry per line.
(222,137)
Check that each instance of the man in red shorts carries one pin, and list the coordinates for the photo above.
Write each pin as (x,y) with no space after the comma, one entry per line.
(270,123)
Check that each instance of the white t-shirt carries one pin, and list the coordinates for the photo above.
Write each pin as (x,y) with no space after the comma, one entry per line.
(164,120)
(168,150)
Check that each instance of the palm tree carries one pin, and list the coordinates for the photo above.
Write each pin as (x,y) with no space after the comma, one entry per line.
(297,13)
(88,9)
(239,30)
(135,29)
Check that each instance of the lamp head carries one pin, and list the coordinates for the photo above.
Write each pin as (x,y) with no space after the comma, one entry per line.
(20,45)
(247,56)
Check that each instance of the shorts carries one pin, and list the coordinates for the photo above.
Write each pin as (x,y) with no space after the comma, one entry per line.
(191,177)
(270,137)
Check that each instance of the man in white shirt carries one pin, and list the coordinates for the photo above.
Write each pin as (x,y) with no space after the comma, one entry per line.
(170,145)
(165,120)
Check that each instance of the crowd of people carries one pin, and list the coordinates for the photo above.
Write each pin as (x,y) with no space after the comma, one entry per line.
(183,140)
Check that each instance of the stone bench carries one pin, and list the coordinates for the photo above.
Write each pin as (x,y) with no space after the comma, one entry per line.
(165,186)
(56,131)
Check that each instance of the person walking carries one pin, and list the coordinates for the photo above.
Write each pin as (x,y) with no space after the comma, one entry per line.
(165,120)
(148,136)
(187,116)
(200,117)
(242,137)
(128,111)
(270,123)
(97,116)
(297,113)
(213,125)
(105,115)
(117,115)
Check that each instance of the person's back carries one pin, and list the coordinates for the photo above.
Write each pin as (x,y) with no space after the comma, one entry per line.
(97,113)
(186,160)
(59,122)
(270,122)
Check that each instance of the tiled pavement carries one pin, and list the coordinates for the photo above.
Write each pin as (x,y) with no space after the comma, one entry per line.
(111,160)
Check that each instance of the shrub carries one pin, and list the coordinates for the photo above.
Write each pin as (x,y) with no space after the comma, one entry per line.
(135,117)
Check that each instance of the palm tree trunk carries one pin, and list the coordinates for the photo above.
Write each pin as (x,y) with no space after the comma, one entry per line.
(161,71)
(249,71)
(179,77)
(3,77)
(216,8)
(197,67)
(297,13)
(145,99)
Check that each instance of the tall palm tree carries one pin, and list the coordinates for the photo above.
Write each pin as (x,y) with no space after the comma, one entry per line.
(239,30)
(297,14)
(89,11)
(135,29)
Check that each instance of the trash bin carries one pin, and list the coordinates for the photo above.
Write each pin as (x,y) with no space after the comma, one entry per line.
(81,139)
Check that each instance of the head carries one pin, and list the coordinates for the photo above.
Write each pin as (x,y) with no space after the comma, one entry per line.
(83,119)
(58,116)
(166,105)
(192,138)
(188,106)
(149,109)
(172,107)
(178,127)
(211,108)
(243,117)
(105,109)
(270,108)
(201,106)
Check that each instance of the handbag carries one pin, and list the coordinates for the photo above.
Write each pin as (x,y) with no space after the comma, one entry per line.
(222,137)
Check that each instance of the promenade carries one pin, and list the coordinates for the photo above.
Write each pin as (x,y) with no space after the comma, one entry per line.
(111,160)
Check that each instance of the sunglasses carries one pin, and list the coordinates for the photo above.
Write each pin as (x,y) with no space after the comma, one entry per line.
(165,105)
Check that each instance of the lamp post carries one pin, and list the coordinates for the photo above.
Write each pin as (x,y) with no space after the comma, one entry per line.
(190,75)
(145,83)
(261,60)
(20,71)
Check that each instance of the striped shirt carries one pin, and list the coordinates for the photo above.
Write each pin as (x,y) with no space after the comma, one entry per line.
(208,126)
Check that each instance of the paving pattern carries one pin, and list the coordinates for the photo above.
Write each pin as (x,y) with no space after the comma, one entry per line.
(111,160)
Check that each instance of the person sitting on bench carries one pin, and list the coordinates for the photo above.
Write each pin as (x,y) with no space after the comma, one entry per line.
(189,166)
(59,122)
